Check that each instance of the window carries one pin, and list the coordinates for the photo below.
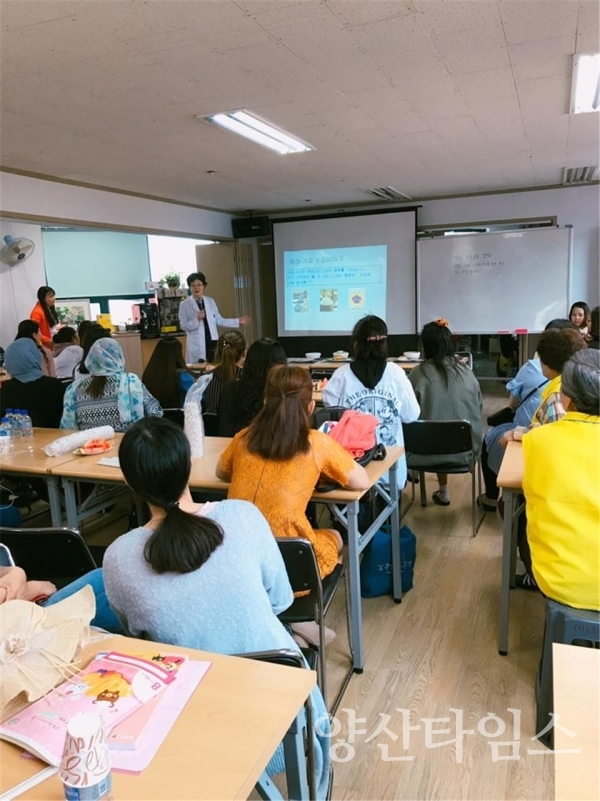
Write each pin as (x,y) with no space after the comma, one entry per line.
(173,254)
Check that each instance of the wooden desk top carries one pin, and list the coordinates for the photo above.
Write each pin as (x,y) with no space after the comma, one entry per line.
(511,469)
(219,745)
(28,457)
(576,674)
(203,475)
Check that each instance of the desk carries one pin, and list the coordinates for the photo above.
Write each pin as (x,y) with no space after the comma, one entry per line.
(576,677)
(28,459)
(510,480)
(343,503)
(220,744)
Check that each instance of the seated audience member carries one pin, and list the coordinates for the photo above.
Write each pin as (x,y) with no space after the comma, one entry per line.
(372,384)
(82,328)
(243,399)
(200,576)
(15,586)
(595,328)
(28,387)
(555,348)
(563,501)
(525,397)
(67,351)
(229,360)
(278,460)
(92,333)
(109,396)
(579,315)
(166,375)
(29,329)
(446,389)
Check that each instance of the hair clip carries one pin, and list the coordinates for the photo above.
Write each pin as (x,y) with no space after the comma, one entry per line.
(169,506)
(377,338)
(442,322)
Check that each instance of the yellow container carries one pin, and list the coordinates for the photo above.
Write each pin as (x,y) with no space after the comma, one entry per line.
(105,321)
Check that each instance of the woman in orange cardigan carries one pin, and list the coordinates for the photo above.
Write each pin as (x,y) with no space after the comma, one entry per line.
(45,314)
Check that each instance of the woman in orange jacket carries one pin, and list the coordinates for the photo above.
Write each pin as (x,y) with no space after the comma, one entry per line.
(45,314)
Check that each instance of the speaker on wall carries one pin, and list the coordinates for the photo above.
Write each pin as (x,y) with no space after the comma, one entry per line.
(246,227)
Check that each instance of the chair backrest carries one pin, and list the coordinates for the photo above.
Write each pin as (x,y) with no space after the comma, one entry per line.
(59,555)
(321,416)
(437,437)
(283,656)
(174,416)
(301,563)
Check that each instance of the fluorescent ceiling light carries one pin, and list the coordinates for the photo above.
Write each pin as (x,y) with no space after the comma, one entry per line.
(245,124)
(585,88)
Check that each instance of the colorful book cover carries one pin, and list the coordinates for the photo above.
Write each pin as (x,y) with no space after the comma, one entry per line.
(113,686)
(127,733)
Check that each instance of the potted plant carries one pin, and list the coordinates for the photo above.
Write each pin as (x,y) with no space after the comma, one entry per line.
(172,280)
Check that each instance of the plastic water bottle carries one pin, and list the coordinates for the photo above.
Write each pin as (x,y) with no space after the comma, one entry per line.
(11,416)
(5,437)
(26,424)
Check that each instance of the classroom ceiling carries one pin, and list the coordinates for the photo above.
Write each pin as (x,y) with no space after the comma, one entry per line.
(431,97)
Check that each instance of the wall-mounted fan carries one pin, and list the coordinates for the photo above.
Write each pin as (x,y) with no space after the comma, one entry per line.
(16,250)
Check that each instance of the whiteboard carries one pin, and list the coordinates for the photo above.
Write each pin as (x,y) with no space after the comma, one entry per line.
(485,283)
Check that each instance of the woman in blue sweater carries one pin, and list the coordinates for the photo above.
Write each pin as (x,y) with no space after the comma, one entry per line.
(207,576)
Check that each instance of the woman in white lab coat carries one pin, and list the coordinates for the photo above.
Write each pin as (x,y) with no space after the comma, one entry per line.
(199,318)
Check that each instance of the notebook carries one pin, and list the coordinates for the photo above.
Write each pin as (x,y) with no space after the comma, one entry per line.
(113,686)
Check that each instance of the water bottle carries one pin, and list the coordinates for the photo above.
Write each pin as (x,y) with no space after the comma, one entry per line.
(11,416)
(26,424)
(5,437)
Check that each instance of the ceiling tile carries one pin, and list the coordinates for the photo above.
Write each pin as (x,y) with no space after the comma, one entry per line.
(462,51)
(442,17)
(534,20)
(357,12)
(484,85)
(588,29)
(541,59)
(547,95)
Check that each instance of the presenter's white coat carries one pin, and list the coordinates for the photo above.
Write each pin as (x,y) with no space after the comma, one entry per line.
(194,328)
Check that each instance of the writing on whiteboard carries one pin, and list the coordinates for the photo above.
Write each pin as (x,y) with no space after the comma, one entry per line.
(471,263)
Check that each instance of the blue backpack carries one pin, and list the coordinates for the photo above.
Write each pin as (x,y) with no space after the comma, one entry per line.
(376,564)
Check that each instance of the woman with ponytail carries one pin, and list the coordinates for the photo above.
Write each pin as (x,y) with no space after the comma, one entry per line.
(276,462)
(44,314)
(207,576)
(229,360)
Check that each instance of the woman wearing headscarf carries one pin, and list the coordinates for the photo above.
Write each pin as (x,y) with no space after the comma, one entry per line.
(45,315)
(28,388)
(109,395)
(31,330)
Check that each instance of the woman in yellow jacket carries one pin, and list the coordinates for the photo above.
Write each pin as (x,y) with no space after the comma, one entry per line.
(561,483)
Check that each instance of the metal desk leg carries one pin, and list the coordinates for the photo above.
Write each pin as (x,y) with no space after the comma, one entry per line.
(70,503)
(510,502)
(295,760)
(354,576)
(396,497)
(514,539)
(54,498)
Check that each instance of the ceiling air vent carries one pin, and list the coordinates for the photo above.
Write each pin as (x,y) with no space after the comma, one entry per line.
(388,193)
(579,175)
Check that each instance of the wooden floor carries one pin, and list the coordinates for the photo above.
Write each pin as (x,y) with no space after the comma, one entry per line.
(436,651)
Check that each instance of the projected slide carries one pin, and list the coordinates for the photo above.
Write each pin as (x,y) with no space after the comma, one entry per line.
(330,289)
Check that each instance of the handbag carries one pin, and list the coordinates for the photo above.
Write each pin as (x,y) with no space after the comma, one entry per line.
(376,565)
(507,414)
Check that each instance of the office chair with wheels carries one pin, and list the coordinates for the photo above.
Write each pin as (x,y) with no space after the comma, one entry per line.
(303,572)
(59,555)
(442,438)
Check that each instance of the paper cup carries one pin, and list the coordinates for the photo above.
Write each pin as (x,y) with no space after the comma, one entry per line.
(85,764)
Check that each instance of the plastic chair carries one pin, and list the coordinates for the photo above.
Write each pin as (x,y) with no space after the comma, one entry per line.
(174,416)
(571,626)
(442,438)
(59,555)
(303,572)
(290,658)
